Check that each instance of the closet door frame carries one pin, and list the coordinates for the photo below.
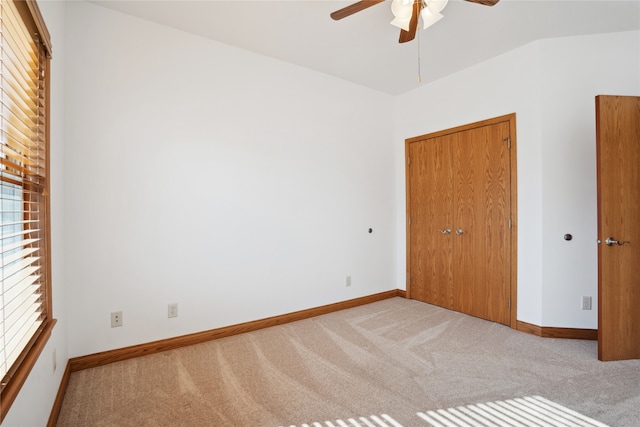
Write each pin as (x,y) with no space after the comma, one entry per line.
(511,120)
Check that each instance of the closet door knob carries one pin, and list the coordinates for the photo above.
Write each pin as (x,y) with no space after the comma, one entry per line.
(445,231)
(459,231)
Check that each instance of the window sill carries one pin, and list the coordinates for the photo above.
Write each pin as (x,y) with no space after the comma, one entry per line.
(11,390)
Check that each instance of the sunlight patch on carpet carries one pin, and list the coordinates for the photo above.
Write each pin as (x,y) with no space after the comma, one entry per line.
(532,411)
(383,420)
(526,412)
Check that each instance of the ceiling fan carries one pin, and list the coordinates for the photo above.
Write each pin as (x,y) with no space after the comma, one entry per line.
(407,13)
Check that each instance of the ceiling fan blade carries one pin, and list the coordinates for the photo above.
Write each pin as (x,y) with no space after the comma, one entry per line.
(406,36)
(353,8)
(485,2)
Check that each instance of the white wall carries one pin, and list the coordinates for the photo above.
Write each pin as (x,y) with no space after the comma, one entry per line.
(576,70)
(33,404)
(551,86)
(235,185)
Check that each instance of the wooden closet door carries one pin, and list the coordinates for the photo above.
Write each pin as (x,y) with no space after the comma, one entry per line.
(429,195)
(482,235)
(464,179)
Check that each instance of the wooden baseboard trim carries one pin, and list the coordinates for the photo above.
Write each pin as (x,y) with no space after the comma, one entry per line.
(550,332)
(57,404)
(106,357)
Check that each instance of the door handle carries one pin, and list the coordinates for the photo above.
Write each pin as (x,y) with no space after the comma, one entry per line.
(459,231)
(445,231)
(611,241)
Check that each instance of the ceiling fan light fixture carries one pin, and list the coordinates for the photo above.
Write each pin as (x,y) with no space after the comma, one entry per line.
(401,23)
(407,13)
(402,10)
(429,18)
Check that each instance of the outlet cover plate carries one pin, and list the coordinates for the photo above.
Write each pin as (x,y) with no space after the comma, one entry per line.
(116,319)
(172,310)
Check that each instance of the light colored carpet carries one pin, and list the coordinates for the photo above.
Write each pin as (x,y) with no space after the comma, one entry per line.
(397,357)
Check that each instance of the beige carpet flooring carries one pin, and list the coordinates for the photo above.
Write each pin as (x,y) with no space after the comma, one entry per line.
(395,357)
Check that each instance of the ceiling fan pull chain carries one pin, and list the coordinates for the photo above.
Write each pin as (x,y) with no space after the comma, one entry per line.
(419,70)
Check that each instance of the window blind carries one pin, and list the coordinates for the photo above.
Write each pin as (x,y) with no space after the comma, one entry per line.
(24,300)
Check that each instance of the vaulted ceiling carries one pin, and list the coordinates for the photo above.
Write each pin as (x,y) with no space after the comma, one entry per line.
(364,48)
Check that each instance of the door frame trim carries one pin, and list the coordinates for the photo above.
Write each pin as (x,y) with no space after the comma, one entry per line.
(511,119)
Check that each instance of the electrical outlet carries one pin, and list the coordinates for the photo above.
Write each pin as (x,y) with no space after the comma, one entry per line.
(586,303)
(116,319)
(55,360)
(172,310)
(348,281)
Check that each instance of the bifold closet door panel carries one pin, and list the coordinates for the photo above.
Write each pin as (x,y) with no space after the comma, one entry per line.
(431,202)
(481,210)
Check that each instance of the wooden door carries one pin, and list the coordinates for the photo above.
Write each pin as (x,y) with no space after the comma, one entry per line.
(430,241)
(618,163)
(482,233)
(460,244)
